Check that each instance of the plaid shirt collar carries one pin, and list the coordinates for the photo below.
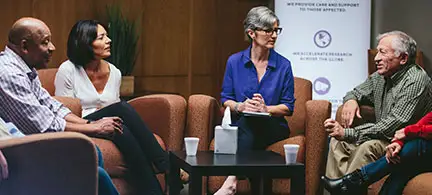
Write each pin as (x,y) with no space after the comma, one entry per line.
(399,75)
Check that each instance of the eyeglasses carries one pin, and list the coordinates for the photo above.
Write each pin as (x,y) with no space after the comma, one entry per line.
(278,31)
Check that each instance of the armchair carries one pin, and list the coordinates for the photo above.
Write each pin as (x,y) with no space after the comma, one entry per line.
(165,115)
(50,163)
(418,185)
(306,126)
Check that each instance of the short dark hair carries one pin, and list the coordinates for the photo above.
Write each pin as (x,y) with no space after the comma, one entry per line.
(79,45)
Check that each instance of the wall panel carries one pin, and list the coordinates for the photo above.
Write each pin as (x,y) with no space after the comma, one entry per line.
(12,10)
(60,16)
(168,84)
(183,45)
(165,37)
(229,22)
(202,84)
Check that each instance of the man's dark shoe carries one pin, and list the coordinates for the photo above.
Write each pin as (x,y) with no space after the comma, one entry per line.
(352,183)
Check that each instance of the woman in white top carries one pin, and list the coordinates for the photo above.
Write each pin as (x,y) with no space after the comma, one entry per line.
(96,88)
(88,77)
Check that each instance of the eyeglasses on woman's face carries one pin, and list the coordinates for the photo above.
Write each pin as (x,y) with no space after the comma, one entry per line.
(278,31)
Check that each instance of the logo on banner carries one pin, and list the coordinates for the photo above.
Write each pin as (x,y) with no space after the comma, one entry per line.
(322,39)
(321,86)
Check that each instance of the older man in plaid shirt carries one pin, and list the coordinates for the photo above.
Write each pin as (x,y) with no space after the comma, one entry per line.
(400,92)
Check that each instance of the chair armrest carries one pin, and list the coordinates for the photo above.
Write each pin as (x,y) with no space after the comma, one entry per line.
(165,115)
(298,139)
(73,104)
(202,116)
(50,163)
(420,184)
(317,111)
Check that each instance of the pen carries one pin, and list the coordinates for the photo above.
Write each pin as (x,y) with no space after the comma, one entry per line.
(245,96)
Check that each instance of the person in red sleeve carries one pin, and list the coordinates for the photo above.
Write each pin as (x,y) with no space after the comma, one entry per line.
(406,157)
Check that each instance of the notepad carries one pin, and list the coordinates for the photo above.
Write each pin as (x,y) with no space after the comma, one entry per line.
(256,114)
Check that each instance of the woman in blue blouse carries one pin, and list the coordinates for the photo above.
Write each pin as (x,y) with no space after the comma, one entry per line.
(258,79)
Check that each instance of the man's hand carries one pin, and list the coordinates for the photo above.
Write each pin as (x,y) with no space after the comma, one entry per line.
(349,109)
(107,126)
(399,135)
(334,129)
(392,153)
(4,171)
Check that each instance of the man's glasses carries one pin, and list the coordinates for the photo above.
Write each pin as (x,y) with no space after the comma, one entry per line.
(278,31)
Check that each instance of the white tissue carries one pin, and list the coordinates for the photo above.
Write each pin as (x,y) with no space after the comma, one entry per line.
(226,135)
(226,120)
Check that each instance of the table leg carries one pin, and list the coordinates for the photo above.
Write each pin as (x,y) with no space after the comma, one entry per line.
(174,179)
(298,183)
(267,185)
(255,184)
(195,183)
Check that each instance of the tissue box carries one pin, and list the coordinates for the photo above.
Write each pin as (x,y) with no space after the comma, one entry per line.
(226,140)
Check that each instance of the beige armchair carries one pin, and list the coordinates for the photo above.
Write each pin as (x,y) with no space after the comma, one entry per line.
(306,126)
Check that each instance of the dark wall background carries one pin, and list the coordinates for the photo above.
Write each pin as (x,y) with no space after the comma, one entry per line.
(412,17)
(184,44)
(183,47)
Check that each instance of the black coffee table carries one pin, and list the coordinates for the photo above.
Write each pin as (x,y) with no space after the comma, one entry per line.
(259,166)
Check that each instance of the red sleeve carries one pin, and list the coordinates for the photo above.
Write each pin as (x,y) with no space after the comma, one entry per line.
(426,131)
(423,128)
(426,120)
(412,131)
(400,142)
(419,131)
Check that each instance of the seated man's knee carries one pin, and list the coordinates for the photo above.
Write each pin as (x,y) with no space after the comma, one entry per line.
(373,148)
(336,145)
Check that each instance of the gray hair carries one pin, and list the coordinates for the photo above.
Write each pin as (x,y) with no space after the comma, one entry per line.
(402,43)
(260,17)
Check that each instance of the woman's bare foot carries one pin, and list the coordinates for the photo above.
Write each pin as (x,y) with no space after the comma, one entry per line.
(229,187)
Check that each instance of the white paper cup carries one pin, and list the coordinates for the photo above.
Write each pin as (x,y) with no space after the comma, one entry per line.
(191,145)
(291,153)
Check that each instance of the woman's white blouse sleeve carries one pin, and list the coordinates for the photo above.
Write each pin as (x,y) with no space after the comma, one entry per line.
(64,80)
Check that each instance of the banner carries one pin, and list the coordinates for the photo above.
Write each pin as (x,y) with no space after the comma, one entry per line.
(327,43)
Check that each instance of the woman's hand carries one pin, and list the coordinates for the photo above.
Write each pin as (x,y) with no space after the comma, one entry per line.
(392,153)
(399,135)
(259,103)
(107,126)
(251,105)
(4,171)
